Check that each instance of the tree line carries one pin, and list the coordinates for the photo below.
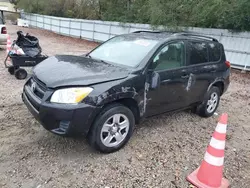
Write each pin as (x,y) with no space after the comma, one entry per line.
(227,14)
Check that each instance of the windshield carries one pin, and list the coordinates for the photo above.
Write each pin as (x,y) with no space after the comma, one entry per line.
(124,50)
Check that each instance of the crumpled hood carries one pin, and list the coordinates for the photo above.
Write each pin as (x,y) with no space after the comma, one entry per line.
(68,70)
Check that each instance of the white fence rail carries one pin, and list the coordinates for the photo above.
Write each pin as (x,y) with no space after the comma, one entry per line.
(237,45)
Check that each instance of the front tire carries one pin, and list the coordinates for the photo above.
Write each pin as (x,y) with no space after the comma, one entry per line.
(210,103)
(112,128)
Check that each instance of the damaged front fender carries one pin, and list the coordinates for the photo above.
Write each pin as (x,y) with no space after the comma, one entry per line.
(106,97)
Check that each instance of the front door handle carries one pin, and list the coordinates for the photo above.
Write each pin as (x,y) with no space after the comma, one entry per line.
(185,76)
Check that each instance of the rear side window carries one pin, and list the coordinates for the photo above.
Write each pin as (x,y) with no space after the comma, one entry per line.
(198,53)
(214,51)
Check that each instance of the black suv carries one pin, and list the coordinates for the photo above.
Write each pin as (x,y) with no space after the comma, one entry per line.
(104,94)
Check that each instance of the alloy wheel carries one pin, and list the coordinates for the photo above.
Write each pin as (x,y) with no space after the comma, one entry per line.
(115,130)
(212,102)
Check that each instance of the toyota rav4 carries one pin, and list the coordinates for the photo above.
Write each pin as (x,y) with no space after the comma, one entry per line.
(103,94)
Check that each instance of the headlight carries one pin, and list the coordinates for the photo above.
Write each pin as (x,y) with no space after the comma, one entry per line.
(70,95)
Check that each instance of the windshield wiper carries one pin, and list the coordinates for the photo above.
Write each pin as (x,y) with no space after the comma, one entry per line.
(104,61)
(89,56)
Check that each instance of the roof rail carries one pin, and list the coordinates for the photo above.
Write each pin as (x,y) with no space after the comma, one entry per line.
(197,35)
(145,31)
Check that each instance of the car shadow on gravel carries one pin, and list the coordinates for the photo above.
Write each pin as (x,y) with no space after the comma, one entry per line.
(74,146)
(77,146)
(172,116)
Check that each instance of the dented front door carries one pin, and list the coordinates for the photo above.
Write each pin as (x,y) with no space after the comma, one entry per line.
(172,93)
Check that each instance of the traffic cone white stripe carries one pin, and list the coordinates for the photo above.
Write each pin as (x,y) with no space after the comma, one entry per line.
(221,128)
(217,144)
(215,161)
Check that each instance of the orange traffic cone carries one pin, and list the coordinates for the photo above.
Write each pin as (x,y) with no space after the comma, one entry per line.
(8,47)
(209,174)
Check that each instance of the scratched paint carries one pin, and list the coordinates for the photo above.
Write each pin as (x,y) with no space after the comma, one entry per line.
(191,81)
(145,100)
(113,94)
(125,89)
(135,93)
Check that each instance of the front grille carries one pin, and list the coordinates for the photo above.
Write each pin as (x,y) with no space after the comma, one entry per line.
(34,91)
(37,87)
(34,104)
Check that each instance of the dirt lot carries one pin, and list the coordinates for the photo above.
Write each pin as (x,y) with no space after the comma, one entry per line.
(161,153)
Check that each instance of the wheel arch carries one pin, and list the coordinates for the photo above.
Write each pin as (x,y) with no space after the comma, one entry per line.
(130,103)
(218,83)
(95,130)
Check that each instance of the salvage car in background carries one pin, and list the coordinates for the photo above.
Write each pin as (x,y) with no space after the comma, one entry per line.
(3,30)
(129,77)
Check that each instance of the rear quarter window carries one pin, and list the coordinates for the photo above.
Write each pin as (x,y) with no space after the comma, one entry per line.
(198,53)
(214,51)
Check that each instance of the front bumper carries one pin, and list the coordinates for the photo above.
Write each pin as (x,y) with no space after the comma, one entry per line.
(60,119)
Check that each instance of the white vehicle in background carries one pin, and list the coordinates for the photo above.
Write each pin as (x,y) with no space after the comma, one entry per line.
(3,30)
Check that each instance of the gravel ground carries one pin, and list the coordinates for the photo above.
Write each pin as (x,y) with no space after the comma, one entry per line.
(162,152)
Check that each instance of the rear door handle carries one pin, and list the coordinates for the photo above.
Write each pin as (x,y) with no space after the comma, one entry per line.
(213,70)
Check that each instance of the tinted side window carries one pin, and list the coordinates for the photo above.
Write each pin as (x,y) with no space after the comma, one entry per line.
(214,52)
(170,57)
(198,53)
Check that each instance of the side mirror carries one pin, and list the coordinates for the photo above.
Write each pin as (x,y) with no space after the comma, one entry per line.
(155,80)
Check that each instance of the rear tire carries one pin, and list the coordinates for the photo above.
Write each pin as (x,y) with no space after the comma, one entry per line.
(21,74)
(112,128)
(210,103)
